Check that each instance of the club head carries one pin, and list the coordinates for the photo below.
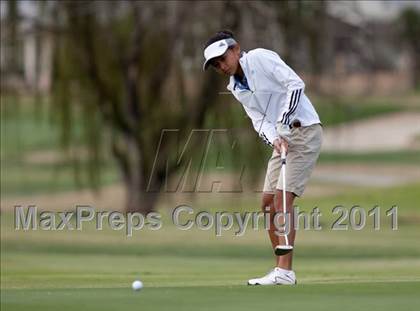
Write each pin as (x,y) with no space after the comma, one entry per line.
(281,250)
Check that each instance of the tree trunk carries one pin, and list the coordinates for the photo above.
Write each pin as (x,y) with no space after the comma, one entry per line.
(416,70)
(128,154)
(137,199)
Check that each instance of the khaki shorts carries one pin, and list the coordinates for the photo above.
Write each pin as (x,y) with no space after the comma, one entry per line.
(304,149)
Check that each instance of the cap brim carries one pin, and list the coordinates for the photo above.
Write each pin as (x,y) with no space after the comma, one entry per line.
(214,50)
(207,63)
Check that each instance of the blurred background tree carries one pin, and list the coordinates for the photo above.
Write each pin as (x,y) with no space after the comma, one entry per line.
(135,87)
(410,24)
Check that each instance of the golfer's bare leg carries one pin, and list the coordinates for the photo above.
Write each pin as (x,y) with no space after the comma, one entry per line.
(285,261)
(268,204)
(268,201)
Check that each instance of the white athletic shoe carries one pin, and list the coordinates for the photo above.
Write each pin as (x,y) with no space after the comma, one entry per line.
(277,276)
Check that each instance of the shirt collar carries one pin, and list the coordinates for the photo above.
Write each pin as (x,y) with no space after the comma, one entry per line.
(242,61)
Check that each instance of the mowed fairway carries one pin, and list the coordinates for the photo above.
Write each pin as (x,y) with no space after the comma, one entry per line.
(377,296)
(194,270)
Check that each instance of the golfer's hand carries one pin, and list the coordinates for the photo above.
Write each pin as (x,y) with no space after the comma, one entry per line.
(278,144)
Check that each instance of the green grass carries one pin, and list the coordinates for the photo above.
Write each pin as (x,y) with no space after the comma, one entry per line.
(377,296)
(26,126)
(27,129)
(194,270)
(406,197)
(21,178)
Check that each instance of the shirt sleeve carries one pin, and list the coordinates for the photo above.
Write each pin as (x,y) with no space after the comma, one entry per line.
(287,79)
(265,129)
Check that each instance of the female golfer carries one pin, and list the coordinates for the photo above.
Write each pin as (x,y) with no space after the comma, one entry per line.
(272,95)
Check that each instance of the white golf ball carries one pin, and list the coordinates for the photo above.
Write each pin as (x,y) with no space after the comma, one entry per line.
(137,285)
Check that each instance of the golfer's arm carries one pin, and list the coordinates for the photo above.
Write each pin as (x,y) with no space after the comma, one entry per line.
(286,79)
(289,106)
(289,80)
(265,129)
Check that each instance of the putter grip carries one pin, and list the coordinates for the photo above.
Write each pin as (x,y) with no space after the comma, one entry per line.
(283,153)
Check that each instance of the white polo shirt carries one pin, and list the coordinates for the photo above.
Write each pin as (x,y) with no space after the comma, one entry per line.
(275,94)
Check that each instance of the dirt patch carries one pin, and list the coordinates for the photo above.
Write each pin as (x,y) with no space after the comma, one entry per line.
(392,132)
(54,156)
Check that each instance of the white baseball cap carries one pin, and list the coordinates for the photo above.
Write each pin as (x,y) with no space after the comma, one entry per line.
(217,49)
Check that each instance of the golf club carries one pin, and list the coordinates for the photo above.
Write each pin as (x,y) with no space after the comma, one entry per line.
(285,248)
